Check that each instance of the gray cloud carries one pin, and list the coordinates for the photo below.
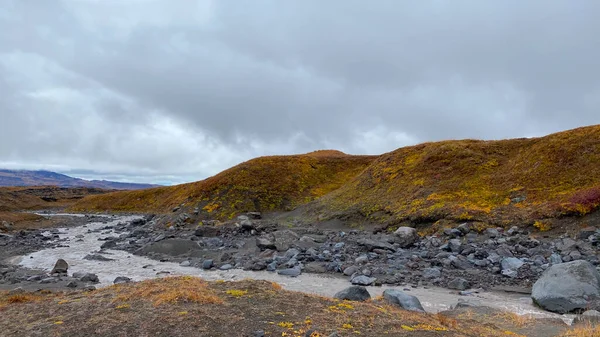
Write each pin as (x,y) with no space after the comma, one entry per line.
(178,90)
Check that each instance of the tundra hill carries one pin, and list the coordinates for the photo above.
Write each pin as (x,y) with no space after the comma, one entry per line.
(504,182)
(15,199)
(265,184)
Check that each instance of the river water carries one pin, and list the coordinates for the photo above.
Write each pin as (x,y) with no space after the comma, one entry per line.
(82,241)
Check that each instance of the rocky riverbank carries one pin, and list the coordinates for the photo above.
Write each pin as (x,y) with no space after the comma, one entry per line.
(460,258)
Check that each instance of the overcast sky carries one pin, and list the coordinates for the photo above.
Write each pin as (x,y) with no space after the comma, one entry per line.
(170,91)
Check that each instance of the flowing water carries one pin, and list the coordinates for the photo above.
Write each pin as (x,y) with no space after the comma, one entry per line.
(83,240)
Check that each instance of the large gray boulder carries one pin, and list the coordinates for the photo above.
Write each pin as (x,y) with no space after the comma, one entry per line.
(404,300)
(353,293)
(566,287)
(60,267)
(406,236)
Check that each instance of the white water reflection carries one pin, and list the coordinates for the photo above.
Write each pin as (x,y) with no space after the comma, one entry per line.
(81,243)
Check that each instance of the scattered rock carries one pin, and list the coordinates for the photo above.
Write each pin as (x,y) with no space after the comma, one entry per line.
(60,267)
(292,272)
(431,273)
(207,264)
(363,280)
(405,301)
(86,277)
(353,293)
(121,280)
(567,287)
(406,236)
(97,257)
(265,242)
(459,284)
(510,266)
(226,266)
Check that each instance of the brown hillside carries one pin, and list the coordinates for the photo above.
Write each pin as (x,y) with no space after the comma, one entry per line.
(16,199)
(507,181)
(263,184)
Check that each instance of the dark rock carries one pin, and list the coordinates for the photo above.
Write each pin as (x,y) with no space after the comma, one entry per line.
(372,244)
(109,244)
(350,270)
(121,279)
(60,267)
(585,233)
(72,284)
(265,242)
(454,245)
(292,272)
(363,280)
(405,301)
(285,239)
(97,257)
(406,236)
(258,333)
(353,293)
(206,231)
(492,232)
(86,277)
(567,287)
(459,284)
(510,266)
(431,273)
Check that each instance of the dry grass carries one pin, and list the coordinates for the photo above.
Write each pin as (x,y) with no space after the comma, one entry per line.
(171,290)
(188,306)
(585,330)
(516,319)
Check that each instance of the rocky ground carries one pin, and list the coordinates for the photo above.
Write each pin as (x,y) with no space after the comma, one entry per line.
(460,258)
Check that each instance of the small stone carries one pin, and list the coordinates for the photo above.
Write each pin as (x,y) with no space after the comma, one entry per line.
(226,267)
(292,272)
(121,280)
(185,263)
(431,273)
(72,284)
(459,284)
(363,280)
(207,264)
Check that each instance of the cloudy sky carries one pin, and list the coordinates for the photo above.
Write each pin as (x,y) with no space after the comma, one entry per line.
(170,91)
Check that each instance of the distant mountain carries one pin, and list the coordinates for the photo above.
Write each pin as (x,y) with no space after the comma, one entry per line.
(45,178)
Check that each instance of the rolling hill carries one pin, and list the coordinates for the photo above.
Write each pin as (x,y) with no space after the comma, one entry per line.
(266,184)
(504,181)
(517,180)
(47,178)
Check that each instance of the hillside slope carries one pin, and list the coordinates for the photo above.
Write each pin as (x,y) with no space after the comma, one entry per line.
(500,181)
(265,184)
(47,178)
